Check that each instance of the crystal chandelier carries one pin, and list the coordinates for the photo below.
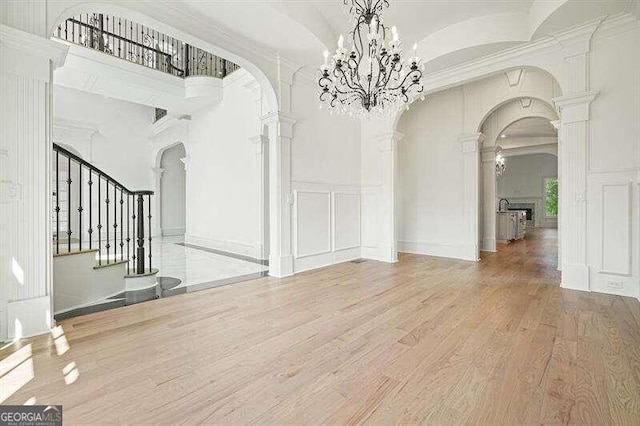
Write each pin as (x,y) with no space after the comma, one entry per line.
(370,77)
(500,166)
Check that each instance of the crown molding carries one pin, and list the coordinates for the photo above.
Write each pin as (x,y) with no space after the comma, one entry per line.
(33,45)
(566,42)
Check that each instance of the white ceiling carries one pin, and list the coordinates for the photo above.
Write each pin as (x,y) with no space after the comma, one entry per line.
(449,31)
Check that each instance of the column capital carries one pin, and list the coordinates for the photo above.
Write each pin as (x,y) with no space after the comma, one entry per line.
(575,107)
(284,121)
(471,142)
(258,142)
(388,141)
(33,45)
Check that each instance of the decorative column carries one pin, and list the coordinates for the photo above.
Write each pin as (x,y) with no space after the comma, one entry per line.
(27,62)
(489,190)
(556,125)
(574,131)
(259,142)
(573,109)
(388,239)
(280,132)
(261,149)
(157,179)
(471,144)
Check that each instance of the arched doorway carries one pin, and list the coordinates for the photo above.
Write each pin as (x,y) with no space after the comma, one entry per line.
(173,191)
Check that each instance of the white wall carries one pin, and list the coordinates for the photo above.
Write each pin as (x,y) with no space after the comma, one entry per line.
(613,243)
(523,182)
(430,176)
(222,208)
(325,161)
(173,191)
(523,177)
(120,145)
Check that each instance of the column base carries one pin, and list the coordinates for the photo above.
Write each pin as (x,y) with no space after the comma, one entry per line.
(575,277)
(26,318)
(280,266)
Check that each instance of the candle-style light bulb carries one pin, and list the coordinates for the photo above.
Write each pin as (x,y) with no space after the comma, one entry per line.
(394,31)
(374,26)
(341,42)
(415,49)
(326,56)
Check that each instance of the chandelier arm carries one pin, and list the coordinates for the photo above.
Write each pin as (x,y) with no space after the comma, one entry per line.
(348,84)
(412,72)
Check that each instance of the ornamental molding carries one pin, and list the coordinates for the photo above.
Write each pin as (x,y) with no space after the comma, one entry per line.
(575,107)
(284,122)
(388,141)
(521,56)
(34,45)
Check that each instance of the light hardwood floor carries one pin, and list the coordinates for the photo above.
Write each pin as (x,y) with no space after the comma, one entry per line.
(425,340)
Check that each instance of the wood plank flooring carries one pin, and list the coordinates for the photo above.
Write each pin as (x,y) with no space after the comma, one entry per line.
(426,340)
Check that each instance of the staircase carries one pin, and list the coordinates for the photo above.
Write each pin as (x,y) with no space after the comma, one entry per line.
(100,229)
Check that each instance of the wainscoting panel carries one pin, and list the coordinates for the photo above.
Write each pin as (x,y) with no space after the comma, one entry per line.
(346,225)
(616,228)
(326,227)
(612,236)
(312,223)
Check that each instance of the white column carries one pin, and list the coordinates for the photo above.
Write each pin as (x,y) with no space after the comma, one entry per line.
(280,133)
(574,131)
(556,125)
(26,65)
(388,239)
(470,145)
(157,179)
(261,149)
(573,109)
(489,191)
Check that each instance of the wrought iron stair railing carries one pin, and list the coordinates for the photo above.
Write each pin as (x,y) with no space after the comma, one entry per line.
(93,211)
(140,44)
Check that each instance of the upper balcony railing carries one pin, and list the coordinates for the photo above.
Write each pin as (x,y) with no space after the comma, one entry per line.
(142,45)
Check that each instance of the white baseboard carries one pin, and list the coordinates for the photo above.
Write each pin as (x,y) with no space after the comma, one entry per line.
(453,251)
(26,318)
(170,232)
(326,259)
(227,246)
(281,267)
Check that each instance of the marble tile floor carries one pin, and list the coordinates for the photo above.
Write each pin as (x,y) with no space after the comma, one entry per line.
(199,267)
(181,268)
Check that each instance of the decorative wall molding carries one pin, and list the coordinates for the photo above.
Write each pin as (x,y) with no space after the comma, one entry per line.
(575,107)
(324,228)
(34,45)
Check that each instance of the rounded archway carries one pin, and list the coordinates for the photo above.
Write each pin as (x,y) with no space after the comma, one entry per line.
(172,194)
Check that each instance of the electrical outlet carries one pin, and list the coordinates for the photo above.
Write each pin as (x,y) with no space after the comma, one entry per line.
(615,284)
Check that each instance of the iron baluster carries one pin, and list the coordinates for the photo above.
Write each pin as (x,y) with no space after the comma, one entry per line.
(128,236)
(115,224)
(80,207)
(99,220)
(57,202)
(140,249)
(107,246)
(90,231)
(69,205)
(121,227)
(149,210)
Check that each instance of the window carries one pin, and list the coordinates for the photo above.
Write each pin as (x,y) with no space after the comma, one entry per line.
(551,197)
